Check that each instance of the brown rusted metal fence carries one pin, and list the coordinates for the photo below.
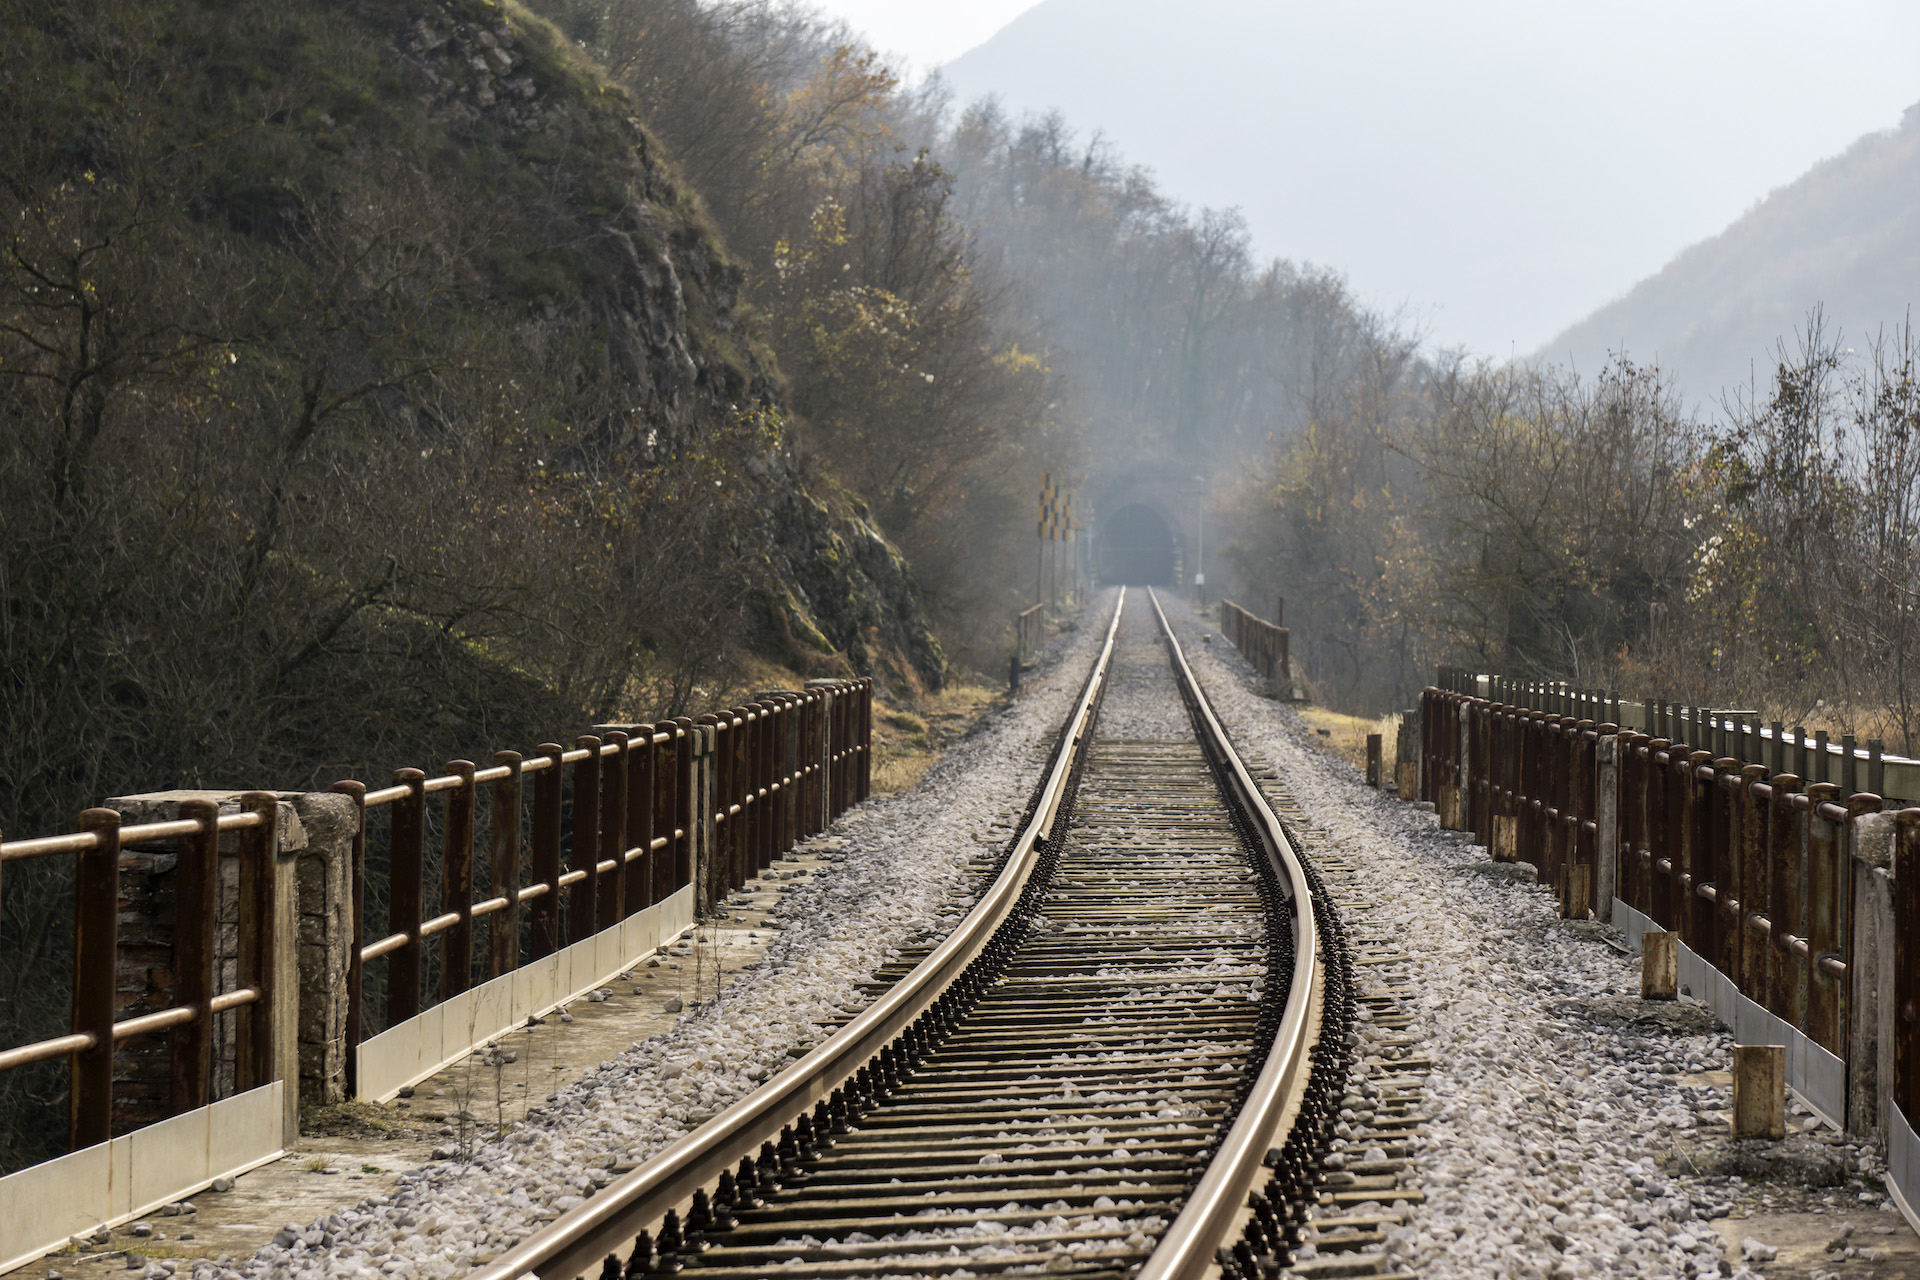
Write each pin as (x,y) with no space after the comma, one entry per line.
(615,807)
(1262,643)
(1756,845)
(577,839)
(195,834)
(1030,632)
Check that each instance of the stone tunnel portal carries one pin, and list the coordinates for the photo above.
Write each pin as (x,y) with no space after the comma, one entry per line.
(1136,547)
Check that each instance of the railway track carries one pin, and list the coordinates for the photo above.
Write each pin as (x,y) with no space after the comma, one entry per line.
(1125,1061)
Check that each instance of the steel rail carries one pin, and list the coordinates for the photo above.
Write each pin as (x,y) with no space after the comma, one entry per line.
(576,1242)
(1206,1221)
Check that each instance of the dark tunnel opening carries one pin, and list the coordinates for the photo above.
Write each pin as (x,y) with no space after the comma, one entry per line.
(1136,548)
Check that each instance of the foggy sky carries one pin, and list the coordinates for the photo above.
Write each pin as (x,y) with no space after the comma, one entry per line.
(1499,168)
(925,33)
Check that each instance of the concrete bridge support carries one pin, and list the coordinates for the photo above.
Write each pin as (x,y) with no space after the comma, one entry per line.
(311,933)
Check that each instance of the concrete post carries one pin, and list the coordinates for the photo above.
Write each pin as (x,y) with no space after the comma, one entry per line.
(284,1048)
(1759,1091)
(323,901)
(1659,965)
(1606,861)
(312,934)
(1870,978)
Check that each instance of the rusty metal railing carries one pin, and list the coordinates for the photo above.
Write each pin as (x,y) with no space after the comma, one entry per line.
(621,808)
(624,822)
(581,1238)
(1752,866)
(1261,643)
(195,835)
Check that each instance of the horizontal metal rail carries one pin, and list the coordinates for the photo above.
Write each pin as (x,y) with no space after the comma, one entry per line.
(576,1242)
(1205,1222)
(89,841)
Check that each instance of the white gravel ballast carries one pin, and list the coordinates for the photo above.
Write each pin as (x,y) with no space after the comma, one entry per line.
(901,873)
(1539,1156)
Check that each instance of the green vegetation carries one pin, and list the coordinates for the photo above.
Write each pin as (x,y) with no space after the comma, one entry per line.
(376,389)
(372,393)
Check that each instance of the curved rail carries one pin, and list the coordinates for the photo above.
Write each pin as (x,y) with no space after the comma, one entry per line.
(1206,1220)
(575,1243)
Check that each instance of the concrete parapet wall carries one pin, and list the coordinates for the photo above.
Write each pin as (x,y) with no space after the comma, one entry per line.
(315,904)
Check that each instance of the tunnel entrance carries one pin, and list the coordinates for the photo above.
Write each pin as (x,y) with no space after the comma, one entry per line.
(1136,548)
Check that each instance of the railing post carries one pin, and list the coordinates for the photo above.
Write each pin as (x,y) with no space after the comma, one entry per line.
(790,708)
(585,850)
(766,799)
(1906,964)
(456,882)
(819,756)
(1462,774)
(709,864)
(642,756)
(1696,917)
(1824,908)
(668,767)
(690,812)
(357,930)
(726,824)
(1659,888)
(1785,858)
(1606,820)
(1505,835)
(96,948)
(1870,1003)
(1424,786)
(196,909)
(1751,887)
(548,785)
(266,1047)
(1629,881)
(503,866)
(836,743)
(613,830)
(1473,735)
(1562,743)
(1729,888)
(734,788)
(865,776)
(406,895)
(760,788)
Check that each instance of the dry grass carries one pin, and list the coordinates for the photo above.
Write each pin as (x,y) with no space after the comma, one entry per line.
(1346,736)
(906,743)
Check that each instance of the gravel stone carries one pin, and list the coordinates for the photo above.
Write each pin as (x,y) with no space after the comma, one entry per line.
(900,872)
(1550,1112)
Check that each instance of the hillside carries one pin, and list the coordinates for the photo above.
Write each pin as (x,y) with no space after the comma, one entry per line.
(1845,236)
(373,391)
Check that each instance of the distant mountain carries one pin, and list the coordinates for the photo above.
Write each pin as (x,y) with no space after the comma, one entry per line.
(1498,169)
(1845,236)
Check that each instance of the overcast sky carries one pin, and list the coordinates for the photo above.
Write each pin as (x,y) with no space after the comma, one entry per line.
(924,32)
(1499,168)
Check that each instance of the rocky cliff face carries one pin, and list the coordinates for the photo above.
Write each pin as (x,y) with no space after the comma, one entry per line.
(839,596)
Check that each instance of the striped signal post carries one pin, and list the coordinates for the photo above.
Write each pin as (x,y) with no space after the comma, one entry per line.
(1040,543)
(1073,577)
